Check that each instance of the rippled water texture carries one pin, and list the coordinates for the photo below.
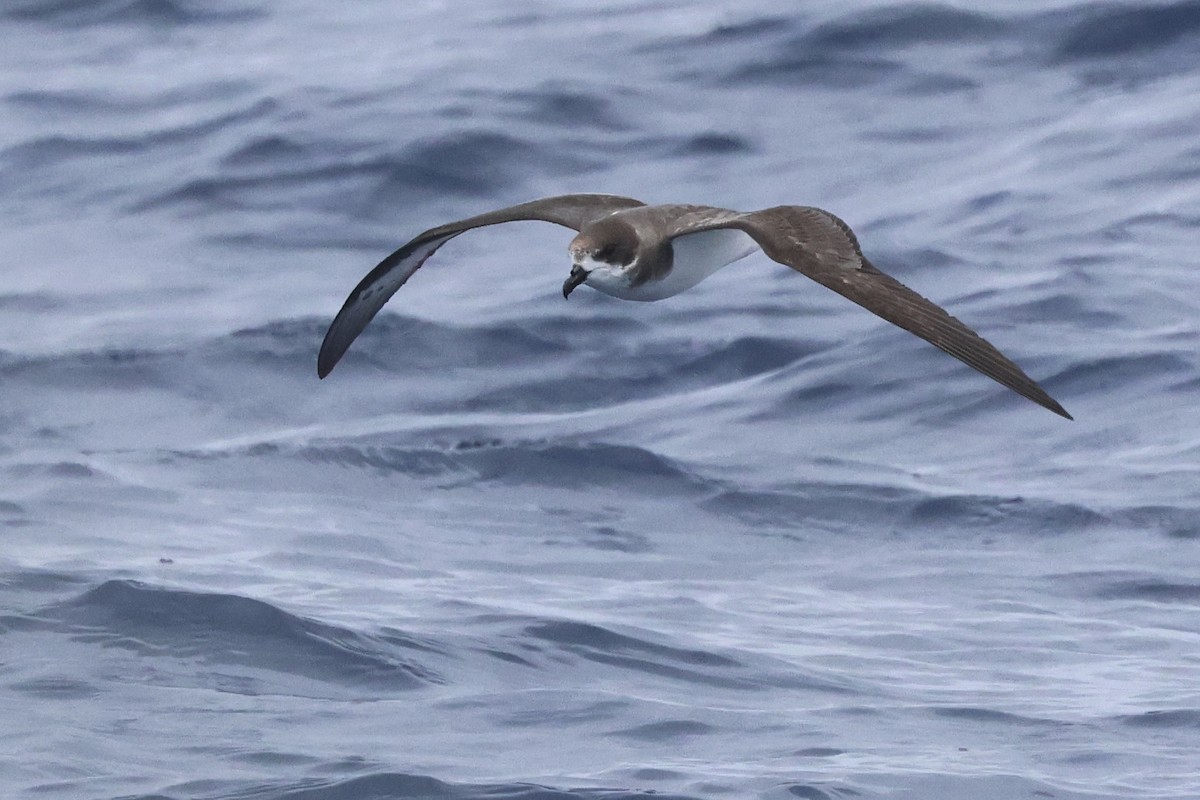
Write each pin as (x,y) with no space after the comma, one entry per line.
(746,542)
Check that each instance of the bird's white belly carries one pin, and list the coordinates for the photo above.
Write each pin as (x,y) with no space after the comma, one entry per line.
(697,255)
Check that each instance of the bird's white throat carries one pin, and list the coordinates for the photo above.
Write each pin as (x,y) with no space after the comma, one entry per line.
(612,279)
(697,255)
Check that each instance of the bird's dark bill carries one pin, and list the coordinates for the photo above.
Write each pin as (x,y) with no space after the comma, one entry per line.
(578,276)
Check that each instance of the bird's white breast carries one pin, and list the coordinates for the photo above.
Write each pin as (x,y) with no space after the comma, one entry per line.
(697,255)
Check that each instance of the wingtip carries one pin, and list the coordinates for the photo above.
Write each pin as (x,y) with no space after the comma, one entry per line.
(325,365)
(331,350)
(1049,403)
(1062,412)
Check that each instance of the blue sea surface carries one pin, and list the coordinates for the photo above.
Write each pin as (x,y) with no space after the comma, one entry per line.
(750,541)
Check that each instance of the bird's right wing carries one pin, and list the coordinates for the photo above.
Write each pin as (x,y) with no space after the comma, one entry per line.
(373,291)
(821,246)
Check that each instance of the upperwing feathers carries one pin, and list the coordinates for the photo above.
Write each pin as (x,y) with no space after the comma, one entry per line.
(821,246)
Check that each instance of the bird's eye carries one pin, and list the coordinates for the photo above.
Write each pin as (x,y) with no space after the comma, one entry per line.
(604,253)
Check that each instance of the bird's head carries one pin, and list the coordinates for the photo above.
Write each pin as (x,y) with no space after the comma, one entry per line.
(603,255)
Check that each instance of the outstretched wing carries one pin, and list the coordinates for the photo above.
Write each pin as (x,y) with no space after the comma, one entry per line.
(817,244)
(572,211)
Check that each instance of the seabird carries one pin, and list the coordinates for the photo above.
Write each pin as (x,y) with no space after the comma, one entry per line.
(635,251)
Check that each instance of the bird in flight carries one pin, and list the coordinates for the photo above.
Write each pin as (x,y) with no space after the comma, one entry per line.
(635,251)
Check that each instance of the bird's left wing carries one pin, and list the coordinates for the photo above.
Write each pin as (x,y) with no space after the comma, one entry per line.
(572,211)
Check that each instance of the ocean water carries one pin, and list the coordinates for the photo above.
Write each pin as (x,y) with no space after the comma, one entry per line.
(749,541)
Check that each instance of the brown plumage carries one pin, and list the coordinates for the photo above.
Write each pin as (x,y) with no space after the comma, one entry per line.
(634,251)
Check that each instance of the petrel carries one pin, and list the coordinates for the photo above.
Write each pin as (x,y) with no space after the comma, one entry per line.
(635,251)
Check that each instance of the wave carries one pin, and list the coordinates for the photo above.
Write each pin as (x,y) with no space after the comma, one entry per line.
(408,786)
(148,13)
(869,46)
(124,369)
(1152,591)
(38,581)
(115,163)
(291,345)
(399,343)
(1121,29)
(901,26)
(548,463)
(1163,718)
(601,645)
(665,730)
(990,716)
(846,52)
(250,637)
(469,163)
(655,369)
(1107,373)
(855,507)
(561,106)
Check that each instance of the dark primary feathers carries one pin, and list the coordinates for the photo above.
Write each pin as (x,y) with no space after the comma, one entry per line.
(572,211)
(821,246)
